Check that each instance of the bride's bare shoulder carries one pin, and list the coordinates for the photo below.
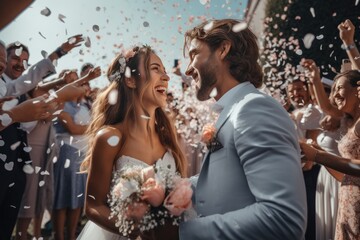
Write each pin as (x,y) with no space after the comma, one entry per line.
(111,134)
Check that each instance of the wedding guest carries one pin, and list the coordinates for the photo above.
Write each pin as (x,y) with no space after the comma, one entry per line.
(12,176)
(133,130)
(250,185)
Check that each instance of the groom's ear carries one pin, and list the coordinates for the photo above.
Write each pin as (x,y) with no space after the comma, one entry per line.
(224,49)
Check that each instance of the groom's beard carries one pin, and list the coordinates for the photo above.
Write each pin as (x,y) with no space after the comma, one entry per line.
(207,81)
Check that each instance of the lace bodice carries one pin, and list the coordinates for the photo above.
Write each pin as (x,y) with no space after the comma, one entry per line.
(167,161)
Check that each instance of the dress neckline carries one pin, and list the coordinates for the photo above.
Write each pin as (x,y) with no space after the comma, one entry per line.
(138,160)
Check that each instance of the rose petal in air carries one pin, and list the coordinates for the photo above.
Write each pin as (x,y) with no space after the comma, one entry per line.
(41,183)
(87,42)
(46,12)
(312,10)
(28,169)
(146,24)
(239,27)
(44,54)
(113,96)
(113,141)
(308,39)
(18,51)
(67,163)
(95,28)
(61,17)
(9,166)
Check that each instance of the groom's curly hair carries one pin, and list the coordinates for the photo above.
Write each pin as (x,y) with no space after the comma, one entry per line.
(244,52)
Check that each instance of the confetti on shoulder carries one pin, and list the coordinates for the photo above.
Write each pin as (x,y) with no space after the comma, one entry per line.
(113,141)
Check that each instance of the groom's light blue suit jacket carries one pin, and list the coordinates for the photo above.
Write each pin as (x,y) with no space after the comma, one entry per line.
(253,187)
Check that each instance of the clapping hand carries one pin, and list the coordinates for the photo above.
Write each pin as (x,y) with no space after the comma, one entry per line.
(72,42)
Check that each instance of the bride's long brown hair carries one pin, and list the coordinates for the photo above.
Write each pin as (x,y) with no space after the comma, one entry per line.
(123,111)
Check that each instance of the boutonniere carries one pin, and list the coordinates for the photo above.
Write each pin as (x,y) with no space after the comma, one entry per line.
(209,138)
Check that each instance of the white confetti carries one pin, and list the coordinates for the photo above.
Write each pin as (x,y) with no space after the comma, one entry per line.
(26,207)
(37,169)
(15,145)
(54,159)
(41,183)
(87,42)
(239,27)
(91,196)
(127,72)
(113,141)
(25,64)
(95,28)
(2,143)
(67,163)
(72,40)
(44,54)
(145,117)
(208,26)
(18,51)
(356,2)
(46,12)
(11,184)
(80,195)
(44,173)
(113,96)
(27,149)
(5,119)
(8,105)
(61,18)
(203,2)
(146,24)
(28,169)
(299,52)
(213,93)
(320,37)
(98,8)
(312,10)
(308,39)
(9,166)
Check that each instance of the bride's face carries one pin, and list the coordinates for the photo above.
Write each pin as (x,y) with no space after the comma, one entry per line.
(157,84)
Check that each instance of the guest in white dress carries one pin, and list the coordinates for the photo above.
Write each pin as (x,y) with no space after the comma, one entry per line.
(129,126)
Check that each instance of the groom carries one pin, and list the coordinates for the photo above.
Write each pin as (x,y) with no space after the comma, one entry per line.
(251,185)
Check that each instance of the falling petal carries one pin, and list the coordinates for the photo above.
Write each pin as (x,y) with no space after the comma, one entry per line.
(61,18)
(18,51)
(54,159)
(203,2)
(28,169)
(11,184)
(213,93)
(41,183)
(356,2)
(239,27)
(5,119)
(98,8)
(27,149)
(91,196)
(95,28)
(146,24)
(113,96)
(8,105)
(44,54)
(87,42)
(127,72)
(312,10)
(299,52)
(3,157)
(80,195)
(55,63)
(44,173)
(67,163)
(72,40)
(9,166)
(46,12)
(308,39)
(145,117)
(37,169)
(208,26)
(320,37)
(2,143)
(25,64)
(42,35)
(113,141)
(15,145)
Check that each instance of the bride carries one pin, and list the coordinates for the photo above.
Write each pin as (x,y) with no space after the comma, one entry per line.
(129,126)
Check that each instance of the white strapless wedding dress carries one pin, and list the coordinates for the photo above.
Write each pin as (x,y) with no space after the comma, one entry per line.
(92,231)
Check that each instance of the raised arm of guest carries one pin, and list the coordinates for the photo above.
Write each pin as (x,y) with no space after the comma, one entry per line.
(42,69)
(30,110)
(346,33)
(320,94)
(344,165)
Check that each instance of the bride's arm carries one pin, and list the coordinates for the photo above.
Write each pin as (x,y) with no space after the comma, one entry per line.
(99,179)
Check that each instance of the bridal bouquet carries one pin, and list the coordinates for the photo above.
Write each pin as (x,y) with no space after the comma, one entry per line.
(144,198)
